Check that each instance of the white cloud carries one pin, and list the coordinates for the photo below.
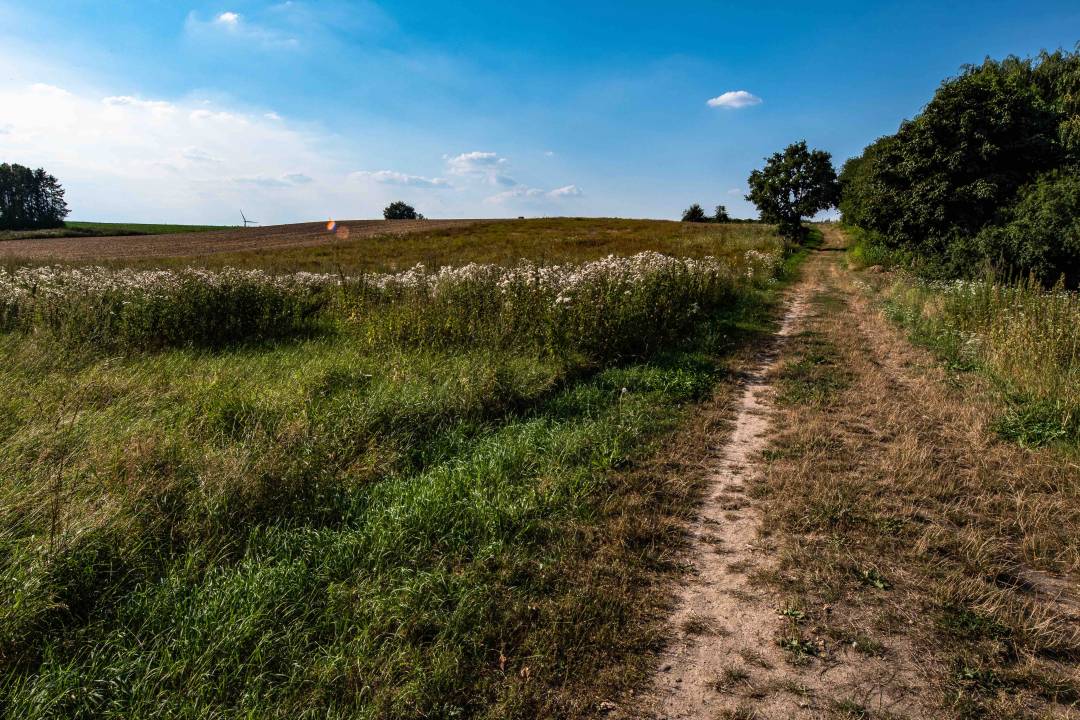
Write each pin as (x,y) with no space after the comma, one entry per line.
(534,195)
(271,116)
(261,181)
(736,191)
(129,158)
(480,164)
(391,177)
(734,99)
(229,19)
(549,153)
(566,191)
(157,107)
(234,27)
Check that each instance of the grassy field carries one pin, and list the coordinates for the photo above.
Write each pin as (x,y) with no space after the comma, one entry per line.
(1022,336)
(76,228)
(414,495)
(547,240)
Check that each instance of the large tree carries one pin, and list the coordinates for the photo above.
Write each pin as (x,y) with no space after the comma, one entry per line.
(399,210)
(30,199)
(794,184)
(694,213)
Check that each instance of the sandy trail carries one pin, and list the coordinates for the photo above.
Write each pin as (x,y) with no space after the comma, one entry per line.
(726,659)
(718,612)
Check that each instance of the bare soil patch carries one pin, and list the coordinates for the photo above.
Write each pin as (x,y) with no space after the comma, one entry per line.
(197,244)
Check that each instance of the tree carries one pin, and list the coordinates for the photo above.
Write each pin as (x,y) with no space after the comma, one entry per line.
(1041,233)
(30,199)
(985,174)
(399,210)
(794,184)
(721,215)
(694,213)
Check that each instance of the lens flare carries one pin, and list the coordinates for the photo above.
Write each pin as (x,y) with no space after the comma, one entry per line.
(331,226)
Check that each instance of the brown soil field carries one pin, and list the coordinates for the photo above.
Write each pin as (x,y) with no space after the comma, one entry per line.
(197,244)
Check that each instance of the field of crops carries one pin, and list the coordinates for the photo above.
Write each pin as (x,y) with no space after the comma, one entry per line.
(234,492)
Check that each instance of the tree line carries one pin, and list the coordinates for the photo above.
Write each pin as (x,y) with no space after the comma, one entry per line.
(30,199)
(986,176)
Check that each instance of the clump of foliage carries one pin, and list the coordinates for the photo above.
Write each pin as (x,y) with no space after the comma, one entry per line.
(399,210)
(997,147)
(1040,234)
(695,213)
(794,184)
(30,199)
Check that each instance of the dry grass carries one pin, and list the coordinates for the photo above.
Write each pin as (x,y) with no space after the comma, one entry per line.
(379,246)
(914,528)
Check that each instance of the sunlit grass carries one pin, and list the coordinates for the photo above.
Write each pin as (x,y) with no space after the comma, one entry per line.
(1025,337)
(411,510)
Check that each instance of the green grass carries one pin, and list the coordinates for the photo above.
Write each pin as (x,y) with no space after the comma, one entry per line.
(101,228)
(813,374)
(1022,337)
(76,228)
(343,524)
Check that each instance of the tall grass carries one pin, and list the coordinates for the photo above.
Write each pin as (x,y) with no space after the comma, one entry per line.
(407,510)
(613,306)
(1025,337)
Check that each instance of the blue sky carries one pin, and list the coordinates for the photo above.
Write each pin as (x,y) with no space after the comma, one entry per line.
(188,112)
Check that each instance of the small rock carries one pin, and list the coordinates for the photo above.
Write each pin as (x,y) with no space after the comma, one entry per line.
(607,706)
(666,668)
(875,269)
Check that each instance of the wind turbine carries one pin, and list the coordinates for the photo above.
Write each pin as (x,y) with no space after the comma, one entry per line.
(246,221)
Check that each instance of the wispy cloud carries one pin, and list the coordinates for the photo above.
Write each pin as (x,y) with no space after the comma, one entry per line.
(392,177)
(566,191)
(480,164)
(533,195)
(734,100)
(234,26)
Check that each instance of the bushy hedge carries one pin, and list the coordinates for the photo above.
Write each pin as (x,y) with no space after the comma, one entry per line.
(975,178)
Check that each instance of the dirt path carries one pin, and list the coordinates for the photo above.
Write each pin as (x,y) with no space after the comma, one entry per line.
(868,546)
(735,654)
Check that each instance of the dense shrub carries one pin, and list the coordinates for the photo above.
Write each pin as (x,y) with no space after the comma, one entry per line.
(1041,234)
(957,167)
(399,210)
(694,213)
